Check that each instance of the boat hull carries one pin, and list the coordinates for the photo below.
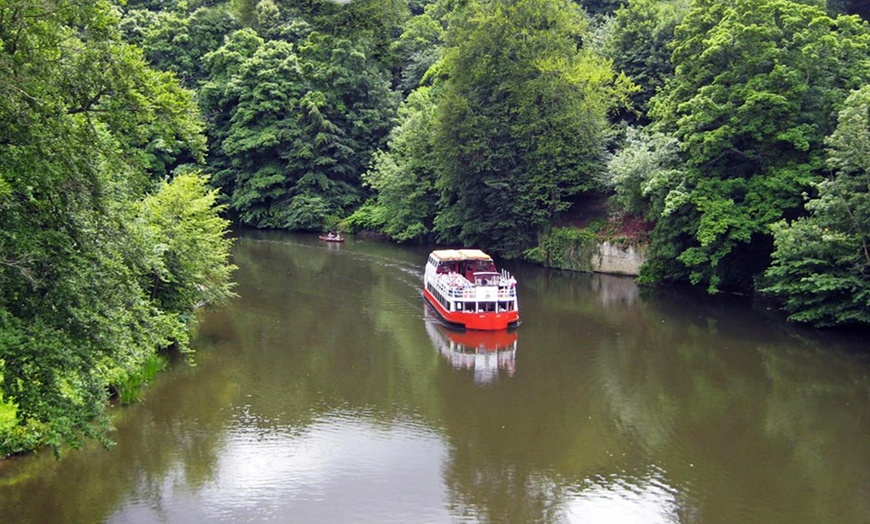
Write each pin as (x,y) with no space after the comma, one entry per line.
(489,321)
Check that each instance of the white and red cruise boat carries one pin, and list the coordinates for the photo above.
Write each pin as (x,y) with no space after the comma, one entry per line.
(466,290)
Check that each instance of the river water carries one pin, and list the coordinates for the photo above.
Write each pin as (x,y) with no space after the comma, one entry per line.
(326,392)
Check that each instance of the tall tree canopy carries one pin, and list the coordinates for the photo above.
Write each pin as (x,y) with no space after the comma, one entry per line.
(85,128)
(521,122)
(403,176)
(642,33)
(176,41)
(418,47)
(821,266)
(751,101)
(294,128)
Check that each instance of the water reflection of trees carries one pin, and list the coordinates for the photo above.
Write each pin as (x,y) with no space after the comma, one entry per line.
(688,409)
(762,415)
(682,397)
(740,420)
(175,432)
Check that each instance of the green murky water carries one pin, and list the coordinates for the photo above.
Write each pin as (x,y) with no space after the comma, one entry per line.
(327,393)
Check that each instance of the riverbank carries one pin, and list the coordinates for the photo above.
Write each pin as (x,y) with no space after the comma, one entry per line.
(615,246)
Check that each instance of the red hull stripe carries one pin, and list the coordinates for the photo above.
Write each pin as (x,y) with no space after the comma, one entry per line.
(481,321)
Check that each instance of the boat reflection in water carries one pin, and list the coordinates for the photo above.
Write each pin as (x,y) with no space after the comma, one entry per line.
(485,352)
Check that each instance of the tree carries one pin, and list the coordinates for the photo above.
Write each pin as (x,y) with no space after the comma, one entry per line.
(294,128)
(643,30)
(403,175)
(642,171)
(821,265)
(601,7)
(521,122)
(177,41)
(417,48)
(189,264)
(755,84)
(86,127)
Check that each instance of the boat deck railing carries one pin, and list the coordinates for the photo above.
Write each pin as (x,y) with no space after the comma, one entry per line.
(454,285)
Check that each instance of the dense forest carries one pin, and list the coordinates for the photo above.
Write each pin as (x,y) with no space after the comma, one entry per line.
(134,133)
(733,130)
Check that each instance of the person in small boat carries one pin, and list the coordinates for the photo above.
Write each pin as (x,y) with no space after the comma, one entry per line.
(331,235)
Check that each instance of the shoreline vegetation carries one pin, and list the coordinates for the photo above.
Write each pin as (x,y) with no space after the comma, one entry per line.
(720,144)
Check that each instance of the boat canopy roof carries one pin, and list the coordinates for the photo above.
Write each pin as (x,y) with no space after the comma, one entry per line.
(456,255)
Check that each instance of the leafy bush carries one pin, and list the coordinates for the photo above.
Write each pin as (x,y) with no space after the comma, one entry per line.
(369,216)
(566,247)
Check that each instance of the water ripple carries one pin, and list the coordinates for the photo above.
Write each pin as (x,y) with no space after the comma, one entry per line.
(625,500)
(344,467)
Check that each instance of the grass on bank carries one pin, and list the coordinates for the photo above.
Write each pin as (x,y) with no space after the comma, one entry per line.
(129,390)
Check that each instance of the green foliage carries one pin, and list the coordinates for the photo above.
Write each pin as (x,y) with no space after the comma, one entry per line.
(601,7)
(820,274)
(417,49)
(373,24)
(293,129)
(245,11)
(755,84)
(521,122)
(642,172)
(7,410)
(643,30)
(511,123)
(374,19)
(86,127)
(565,247)
(821,266)
(368,217)
(403,176)
(189,262)
(129,388)
(176,41)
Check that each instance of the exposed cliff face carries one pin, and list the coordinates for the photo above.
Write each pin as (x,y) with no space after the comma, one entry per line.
(584,250)
(617,259)
(591,237)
